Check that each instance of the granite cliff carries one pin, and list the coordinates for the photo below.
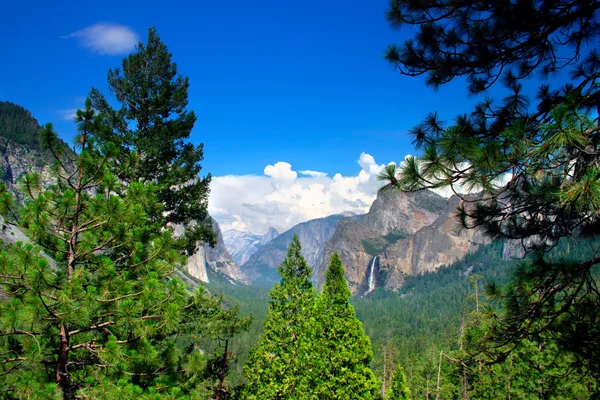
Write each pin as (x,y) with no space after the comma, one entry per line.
(403,234)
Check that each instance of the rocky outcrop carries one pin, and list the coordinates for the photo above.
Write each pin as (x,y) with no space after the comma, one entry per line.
(403,234)
(394,211)
(441,243)
(392,217)
(270,235)
(20,148)
(261,268)
(219,259)
(216,258)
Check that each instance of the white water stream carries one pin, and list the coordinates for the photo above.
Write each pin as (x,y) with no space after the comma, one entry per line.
(371,273)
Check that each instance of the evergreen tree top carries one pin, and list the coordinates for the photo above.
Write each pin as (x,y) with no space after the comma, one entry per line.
(152,128)
(335,286)
(294,265)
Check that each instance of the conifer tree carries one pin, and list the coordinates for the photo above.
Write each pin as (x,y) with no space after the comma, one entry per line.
(278,366)
(548,151)
(341,351)
(400,389)
(92,304)
(152,130)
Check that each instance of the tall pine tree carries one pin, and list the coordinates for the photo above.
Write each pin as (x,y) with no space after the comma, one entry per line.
(92,305)
(341,351)
(278,367)
(548,151)
(152,129)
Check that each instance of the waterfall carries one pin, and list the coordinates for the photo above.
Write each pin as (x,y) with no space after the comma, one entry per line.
(371,274)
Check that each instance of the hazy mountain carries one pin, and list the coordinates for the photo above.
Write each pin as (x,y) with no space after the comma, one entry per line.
(262,266)
(242,245)
(267,237)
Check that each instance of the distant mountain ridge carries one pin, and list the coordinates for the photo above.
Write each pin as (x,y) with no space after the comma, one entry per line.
(261,267)
(242,244)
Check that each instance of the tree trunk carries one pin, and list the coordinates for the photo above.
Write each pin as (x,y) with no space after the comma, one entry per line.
(62,375)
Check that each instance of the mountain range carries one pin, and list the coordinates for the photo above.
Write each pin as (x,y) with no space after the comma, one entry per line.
(242,244)
(261,267)
(403,234)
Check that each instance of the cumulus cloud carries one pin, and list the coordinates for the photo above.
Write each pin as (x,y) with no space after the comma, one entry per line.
(281,171)
(281,198)
(106,39)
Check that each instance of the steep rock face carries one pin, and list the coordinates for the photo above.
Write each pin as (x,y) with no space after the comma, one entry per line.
(393,217)
(394,211)
(20,148)
(217,258)
(441,243)
(348,241)
(262,265)
(242,245)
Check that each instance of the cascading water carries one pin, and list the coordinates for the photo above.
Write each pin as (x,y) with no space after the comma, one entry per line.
(371,281)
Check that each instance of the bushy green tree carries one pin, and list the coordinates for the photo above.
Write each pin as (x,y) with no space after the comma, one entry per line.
(92,304)
(547,155)
(341,352)
(152,130)
(399,389)
(278,367)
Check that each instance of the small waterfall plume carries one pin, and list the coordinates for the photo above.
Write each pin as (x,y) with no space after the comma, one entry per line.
(371,281)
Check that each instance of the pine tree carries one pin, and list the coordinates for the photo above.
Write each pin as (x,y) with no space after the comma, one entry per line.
(93,306)
(341,352)
(152,130)
(549,153)
(400,389)
(278,366)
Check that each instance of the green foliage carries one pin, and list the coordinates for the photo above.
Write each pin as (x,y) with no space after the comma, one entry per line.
(400,389)
(18,126)
(310,349)
(549,154)
(377,246)
(20,131)
(341,352)
(152,129)
(277,367)
(93,307)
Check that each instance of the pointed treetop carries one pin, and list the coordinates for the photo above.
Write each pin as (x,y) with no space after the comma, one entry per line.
(336,287)
(294,265)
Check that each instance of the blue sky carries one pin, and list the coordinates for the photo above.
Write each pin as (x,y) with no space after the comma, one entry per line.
(278,88)
(270,81)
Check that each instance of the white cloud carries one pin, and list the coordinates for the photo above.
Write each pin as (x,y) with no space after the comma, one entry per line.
(314,174)
(281,199)
(68,113)
(106,39)
(281,171)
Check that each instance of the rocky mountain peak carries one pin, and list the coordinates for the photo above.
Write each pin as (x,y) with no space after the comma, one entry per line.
(395,211)
(271,234)
(403,234)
